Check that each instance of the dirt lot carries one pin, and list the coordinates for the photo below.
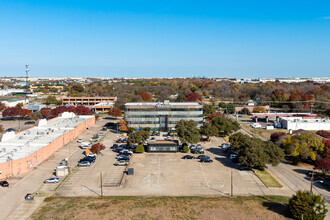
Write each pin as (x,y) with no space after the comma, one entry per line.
(163,208)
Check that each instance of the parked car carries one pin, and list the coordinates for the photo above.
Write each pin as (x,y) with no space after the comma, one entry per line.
(123,157)
(114,146)
(126,151)
(80,140)
(121,163)
(29,196)
(244,167)
(101,133)
(86,145)
(188,157)
(52,180)
(10,129)
(202,157)
(117,149)
(4,183)
(197,150)
(84,164)
(88,159)
(232,156)
(91,155)
(255,125)
(30,122)
(225,146)
(119,140)
(206,160)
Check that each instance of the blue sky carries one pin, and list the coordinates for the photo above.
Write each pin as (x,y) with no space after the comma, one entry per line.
(238,38)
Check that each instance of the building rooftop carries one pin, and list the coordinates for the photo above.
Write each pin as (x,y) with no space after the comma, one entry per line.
(16,146)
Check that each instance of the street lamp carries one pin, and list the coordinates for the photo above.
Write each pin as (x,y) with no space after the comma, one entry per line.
(312,182)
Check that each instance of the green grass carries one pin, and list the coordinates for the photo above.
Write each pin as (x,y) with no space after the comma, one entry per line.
(267,179)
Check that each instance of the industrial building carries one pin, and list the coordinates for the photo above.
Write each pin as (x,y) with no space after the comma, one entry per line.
(25,150)
(163,146)
(86,101)
(161,116)
(12,101)
(297,123)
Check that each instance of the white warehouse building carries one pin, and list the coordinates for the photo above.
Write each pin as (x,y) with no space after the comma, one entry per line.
(297,123)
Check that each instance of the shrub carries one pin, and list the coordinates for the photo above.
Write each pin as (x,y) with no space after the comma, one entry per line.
(274,137)
(307,204)
(323,133)
(185,148)
(139,149)
(245,111)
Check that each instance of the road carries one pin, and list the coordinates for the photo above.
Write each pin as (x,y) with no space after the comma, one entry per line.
(13,197)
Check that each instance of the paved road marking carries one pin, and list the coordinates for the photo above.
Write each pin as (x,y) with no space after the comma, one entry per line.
(204,176)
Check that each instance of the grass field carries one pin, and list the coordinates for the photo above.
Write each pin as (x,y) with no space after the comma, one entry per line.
(267,179)
(252,207)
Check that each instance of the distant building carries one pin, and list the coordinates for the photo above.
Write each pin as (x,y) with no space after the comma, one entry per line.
(161,116)
(103,107)
(297,123)
(12,101)
(162,146)
(250,105)
(36,108)
(87,101)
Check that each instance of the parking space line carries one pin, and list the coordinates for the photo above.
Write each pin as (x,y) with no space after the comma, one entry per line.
(204,176)
(158,169)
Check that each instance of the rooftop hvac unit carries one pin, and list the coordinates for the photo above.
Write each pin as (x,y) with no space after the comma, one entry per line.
(3,149)
(15,150)
(9,158)
(20,137)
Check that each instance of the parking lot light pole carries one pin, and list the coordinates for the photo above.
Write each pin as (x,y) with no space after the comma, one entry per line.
(312,181)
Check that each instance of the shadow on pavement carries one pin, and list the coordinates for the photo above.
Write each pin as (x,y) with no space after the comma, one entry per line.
(226,162)
(278,208)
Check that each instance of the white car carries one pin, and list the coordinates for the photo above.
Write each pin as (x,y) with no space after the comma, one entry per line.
(232,156)
(52,180)
(80,140)
(85,145)
(91,155)
(84,164)
(121,163)
(225,146)
(255,125)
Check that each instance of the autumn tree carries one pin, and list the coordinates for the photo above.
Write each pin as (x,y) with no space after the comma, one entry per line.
(303,146)
(274,137)
(115,112)
(46,112)
(259,109)
(209,117)
(323,133)
(58,110)
(192,97)
(145,96)
(24,112)
(97,148)
(122,125)
(83,110)
(323,164)
(11,112)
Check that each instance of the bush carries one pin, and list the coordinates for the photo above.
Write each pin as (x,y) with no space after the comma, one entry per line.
(274,137)
(245,111)
(307,204)
(323,133)
(139,149)
(185,148)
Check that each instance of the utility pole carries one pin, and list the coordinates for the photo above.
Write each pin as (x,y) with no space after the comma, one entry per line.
(101,184)
(312,182)
(231,182)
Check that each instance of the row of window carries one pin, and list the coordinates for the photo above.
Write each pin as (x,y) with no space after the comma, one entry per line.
(162,109)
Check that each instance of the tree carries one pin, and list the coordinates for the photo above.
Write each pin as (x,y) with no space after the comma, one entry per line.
(209,117)
(259,109)
(24,112)
(46,112)
(220,127)
(274,137)
(187,131)
(145,96)
(185,148)
(51,99)
(147,129)
(323,133)
(303,146)
(208,130)
(208,109)
(326,152)
(323,164)
(192,97)
(115,112)
(308,205)
(245,111)
(122,125)
(97,148)
(19,105)
(130,130)
(58,110)
(10,112)
(2,106)
(255,152)
(179,98)
(139,149)
(83,110)
(36,116)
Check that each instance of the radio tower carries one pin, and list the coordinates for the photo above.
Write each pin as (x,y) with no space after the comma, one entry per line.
(26,82)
